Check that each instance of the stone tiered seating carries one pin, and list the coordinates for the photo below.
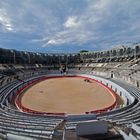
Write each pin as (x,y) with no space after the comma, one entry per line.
(24,124)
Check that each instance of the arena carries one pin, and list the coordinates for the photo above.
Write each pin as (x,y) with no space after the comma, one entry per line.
(78,96)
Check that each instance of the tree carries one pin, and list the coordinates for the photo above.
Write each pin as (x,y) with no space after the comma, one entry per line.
(83,51)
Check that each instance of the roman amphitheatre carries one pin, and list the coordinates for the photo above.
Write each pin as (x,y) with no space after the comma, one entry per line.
(43,101)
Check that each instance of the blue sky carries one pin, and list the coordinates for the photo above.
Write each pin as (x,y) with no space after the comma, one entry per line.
(68,25)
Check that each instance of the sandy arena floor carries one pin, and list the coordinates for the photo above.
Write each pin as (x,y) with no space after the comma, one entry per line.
(66,95)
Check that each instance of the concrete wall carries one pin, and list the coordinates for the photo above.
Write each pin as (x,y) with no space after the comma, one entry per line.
(91,127)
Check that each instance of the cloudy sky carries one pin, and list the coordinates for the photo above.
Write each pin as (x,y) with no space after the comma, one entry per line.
(68,25)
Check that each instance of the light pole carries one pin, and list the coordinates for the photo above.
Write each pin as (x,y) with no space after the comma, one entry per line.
(135,53)
(14,56)
(29,60)
(110,55)
(39,57)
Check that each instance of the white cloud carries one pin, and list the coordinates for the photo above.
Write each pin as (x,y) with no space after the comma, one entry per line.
(52,41)
(5,21)
(71,22)
(103,22)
